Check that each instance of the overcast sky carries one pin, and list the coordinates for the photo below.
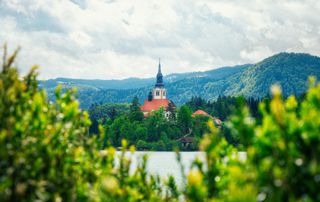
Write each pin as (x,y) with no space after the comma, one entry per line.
(114,39)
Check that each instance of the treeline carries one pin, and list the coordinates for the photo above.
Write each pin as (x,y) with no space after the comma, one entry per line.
(100,113)
(225,105)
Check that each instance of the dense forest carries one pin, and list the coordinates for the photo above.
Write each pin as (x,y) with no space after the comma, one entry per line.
(156,132)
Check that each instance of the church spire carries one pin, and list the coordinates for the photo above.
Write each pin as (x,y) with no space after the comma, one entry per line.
(159,77)
(159,69)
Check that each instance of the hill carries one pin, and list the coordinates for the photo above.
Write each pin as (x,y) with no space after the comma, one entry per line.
(290,70)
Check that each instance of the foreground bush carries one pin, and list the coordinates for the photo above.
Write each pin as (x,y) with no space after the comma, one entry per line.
(283,154)
(46,153)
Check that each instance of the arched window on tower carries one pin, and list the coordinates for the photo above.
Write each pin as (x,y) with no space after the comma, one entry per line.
(157,93)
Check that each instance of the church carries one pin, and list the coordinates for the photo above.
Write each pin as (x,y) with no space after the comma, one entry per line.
(157,98)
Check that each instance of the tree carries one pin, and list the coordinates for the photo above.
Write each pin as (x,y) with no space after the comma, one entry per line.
(113,131)
(113,113)
(200,126)
(184,119)
(196,102)
(173,114)
(94,127)
(141,133)
(135,112)
(156,123)
(107,111)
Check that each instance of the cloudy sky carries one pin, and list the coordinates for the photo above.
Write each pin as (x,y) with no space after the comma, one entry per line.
(114,39)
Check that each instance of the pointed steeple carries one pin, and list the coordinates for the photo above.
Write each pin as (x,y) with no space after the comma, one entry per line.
(159,77)
(159,69)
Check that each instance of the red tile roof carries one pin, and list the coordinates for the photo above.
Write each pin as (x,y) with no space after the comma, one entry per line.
(154,105)
(201,112)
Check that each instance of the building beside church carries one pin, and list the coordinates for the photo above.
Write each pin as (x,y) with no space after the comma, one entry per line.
(157,98)
(216,121)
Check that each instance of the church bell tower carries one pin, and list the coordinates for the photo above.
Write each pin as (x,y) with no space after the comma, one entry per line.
(159,92)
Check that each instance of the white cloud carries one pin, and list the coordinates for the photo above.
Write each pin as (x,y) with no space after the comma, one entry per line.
(257,53)
(120,38)
(81,38)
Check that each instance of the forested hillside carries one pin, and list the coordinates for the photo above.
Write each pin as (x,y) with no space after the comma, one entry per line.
(290,70)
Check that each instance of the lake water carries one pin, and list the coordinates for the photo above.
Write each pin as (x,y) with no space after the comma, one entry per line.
(165,163)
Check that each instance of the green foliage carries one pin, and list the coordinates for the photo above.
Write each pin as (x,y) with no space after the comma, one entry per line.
(283,150)
(132,126)
(43,146)
(135,112)
(282,154)
(107,111)
(100,114)
(200,126)
(155,132)
(224,105)
(46,154)
(184,119)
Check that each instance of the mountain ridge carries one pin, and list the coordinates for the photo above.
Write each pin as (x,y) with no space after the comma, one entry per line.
(290,70)
(135,81)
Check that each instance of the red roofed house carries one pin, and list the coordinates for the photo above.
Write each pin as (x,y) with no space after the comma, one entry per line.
(203,113)
(157,98)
